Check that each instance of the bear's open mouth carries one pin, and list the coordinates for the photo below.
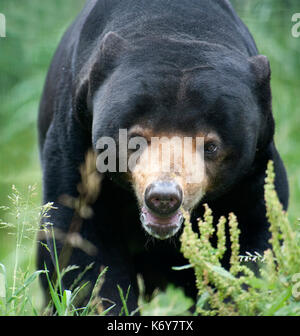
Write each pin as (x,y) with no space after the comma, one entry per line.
(161,227)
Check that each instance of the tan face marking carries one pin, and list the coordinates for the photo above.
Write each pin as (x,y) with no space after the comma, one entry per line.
(172,157)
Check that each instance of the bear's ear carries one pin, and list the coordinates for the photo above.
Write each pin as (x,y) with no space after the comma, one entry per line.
(260,66)
(100,64)
(111,48)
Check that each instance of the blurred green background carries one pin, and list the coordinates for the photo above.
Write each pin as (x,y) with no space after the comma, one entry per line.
(33,31)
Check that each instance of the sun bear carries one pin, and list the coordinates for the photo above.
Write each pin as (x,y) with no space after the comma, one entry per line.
(157,75)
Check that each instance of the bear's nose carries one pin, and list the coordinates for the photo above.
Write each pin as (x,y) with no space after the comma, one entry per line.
(163,197)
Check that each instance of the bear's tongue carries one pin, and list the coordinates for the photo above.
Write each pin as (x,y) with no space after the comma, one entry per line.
(161,227)
(152,219)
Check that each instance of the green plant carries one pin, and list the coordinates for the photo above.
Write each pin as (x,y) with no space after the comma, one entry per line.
(238,291)
(171,302)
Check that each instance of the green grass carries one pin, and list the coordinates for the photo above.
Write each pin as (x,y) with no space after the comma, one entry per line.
(34,29)
(17,272)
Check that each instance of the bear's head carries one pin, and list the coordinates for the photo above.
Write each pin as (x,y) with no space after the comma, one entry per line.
(179,120)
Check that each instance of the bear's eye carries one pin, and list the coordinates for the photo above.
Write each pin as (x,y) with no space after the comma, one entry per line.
(210,148)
